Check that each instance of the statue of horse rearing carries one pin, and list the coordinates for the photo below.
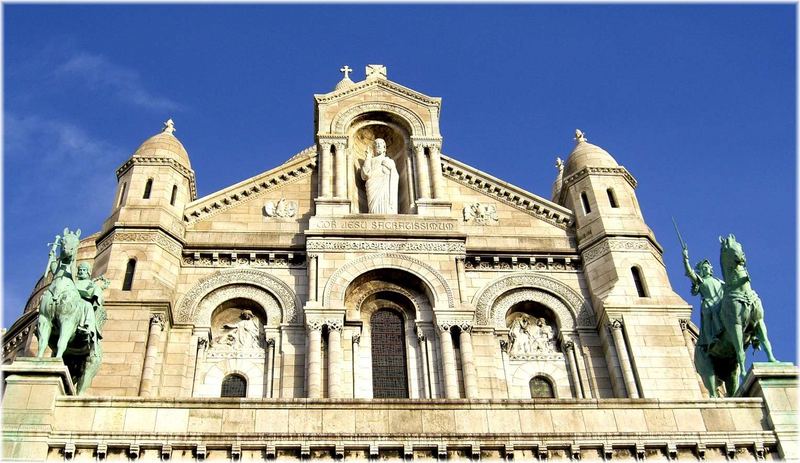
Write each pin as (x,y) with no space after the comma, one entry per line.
(61,311)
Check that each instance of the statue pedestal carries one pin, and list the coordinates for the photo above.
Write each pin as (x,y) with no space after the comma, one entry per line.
(777,383)
(31,386)
(434,207)
(326,207)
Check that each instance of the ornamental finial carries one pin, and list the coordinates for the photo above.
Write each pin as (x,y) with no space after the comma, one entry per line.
(580,136)
(559,164)
(169,126)
(346,71)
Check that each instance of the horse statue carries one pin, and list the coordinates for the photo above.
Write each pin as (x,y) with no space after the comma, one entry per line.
(741,312)
(71,313)
(731,318)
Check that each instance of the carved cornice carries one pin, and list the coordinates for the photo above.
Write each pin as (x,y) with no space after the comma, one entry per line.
(244,259)
(506,263)
(577,176)
(159,238)
(298,168)
(508,194)
(150,160)
(408,246)
(607,245)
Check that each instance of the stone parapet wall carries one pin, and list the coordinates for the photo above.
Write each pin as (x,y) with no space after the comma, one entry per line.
(258,428)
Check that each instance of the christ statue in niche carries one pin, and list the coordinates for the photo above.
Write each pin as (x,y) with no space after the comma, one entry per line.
(381,177)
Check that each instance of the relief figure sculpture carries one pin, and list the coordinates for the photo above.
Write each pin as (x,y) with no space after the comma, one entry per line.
(381,177)
(245,333)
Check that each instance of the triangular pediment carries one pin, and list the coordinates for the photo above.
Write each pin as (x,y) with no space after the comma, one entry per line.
(507,193)
(370,85)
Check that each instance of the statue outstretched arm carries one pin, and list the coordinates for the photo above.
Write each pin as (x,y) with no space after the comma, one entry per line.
(688,267)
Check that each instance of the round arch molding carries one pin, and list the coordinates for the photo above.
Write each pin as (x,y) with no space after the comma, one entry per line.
(337,284)
(579,311)
(254,282)
(343,120)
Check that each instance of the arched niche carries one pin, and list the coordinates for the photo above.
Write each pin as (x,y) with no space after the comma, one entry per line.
(276,297)
(238,323)
(397,134)
(492,302)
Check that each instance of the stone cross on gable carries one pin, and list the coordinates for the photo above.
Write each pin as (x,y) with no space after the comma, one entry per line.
(346,70)
(376,71)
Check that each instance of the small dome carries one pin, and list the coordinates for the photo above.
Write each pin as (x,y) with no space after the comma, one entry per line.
(164,145)
(586,154)
(344,83)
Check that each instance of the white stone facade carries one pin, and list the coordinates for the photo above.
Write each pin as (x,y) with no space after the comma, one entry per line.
(495,290)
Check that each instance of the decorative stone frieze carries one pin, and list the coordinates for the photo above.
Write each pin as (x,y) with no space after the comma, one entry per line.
(286,174)
(159,238)
(577,176)
(508,194)
(506,263)
(409,246)
(243,259)
(579,308)
(619,244)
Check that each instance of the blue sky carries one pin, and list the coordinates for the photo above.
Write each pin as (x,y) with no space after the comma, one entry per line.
(697,101)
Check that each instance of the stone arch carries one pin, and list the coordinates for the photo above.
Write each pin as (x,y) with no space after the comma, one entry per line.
(343,120)
(269,304)
(416,304)
(557,376)
(190,305)
(212,380)
(565,318)
(578,309)
(440,292)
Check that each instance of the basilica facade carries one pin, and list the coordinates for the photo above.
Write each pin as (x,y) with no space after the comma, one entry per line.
(373,297)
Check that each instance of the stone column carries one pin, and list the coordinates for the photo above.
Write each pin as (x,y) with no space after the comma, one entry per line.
(151,354)
(436,173)
(341,171)
(334,359)
(356,370)
(687,337)
(426,380)
(624,361)
(462,278)
(572,362)
(504,360)
(270,367)
(468,363)
(312,276)
(448,362)
(314,360)
(325,171)
(423,180)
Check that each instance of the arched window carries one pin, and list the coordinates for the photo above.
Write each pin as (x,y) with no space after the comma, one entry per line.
(130,269)
(122,194)
(585,202)
(234,386)
(612,198)
(147,188)
(638,281)
(389,377)
(542,388)
(174,195)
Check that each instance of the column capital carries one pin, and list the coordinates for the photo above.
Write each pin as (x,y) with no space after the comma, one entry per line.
(568,345)
(312,255)
(271,342)
(504,345)
(684,324)
(202,343)
(357,338)
(315,325)
(334,325)
(615,323)
(157,319)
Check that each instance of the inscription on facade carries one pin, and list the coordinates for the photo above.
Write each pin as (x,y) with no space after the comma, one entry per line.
(384,225)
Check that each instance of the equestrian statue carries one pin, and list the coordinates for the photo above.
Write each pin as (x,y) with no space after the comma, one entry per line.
(731,317)
(71,313)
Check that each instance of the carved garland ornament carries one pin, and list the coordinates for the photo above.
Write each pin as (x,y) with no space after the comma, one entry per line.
(188,306)
(342,120)
(376,261)
(397,246)
(485,300)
